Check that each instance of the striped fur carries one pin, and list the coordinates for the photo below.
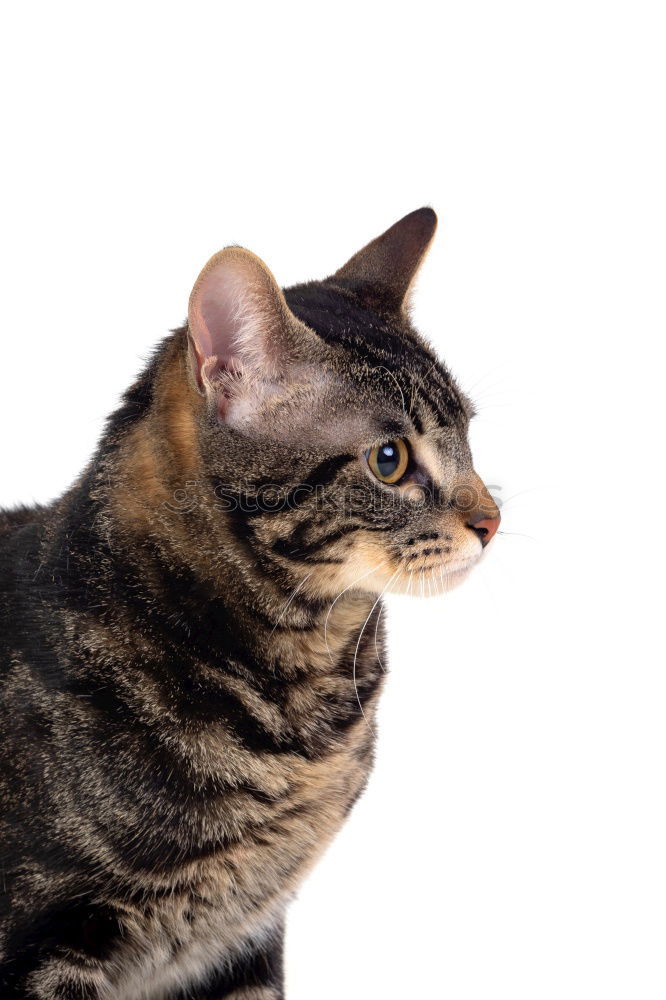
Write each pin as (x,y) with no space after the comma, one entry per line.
(190,675)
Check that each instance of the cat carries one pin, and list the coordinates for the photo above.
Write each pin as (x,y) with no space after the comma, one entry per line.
(191,645)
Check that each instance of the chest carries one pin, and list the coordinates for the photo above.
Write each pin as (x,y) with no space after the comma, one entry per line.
(267,834)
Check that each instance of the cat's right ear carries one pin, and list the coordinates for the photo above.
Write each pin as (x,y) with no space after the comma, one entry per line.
(239,324)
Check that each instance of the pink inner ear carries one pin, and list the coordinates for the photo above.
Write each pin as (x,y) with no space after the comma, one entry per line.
(236,319)
(216,319)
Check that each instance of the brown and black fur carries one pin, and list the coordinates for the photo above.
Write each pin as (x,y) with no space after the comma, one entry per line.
(189,672)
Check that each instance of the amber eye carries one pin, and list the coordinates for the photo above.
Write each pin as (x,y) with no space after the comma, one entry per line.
(389,461)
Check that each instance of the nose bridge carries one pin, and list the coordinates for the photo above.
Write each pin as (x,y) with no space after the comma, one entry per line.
(473,500)
(461,487)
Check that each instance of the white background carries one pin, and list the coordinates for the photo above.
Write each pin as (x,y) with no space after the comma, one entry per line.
(512,842)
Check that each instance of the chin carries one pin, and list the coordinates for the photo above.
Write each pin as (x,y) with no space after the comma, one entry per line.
(432,581)
(389,577)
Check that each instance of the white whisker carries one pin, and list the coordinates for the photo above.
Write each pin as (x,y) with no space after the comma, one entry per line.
(358,645)
(352,584)
(469,389)
(379,659)
(293,595)
(521,493)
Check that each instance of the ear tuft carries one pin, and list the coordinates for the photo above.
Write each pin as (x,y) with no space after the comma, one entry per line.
(387,266)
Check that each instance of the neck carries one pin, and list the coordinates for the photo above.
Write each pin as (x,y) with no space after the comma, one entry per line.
(147,639)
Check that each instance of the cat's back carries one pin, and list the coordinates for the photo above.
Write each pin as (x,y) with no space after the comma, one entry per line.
(21,534)
(12,523)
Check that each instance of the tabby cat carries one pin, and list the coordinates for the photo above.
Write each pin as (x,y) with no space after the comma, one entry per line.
(191,640)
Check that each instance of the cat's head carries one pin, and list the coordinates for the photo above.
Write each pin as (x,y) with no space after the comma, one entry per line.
(336,440)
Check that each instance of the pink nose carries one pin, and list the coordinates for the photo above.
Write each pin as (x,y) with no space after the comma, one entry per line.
(485,527)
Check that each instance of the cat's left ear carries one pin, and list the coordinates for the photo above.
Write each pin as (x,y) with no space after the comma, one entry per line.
(384,270)
(240,328)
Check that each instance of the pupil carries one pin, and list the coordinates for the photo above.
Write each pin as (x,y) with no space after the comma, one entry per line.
(387,459)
